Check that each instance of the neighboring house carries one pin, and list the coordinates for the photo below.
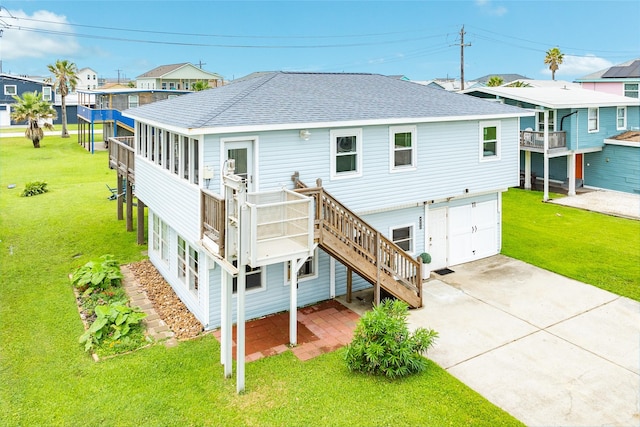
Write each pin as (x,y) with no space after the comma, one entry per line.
(105,106)
(506,79)
(176,77)
(404,169)
(451,85)
(622,79)
(11,85)
(87,79)
(582,146)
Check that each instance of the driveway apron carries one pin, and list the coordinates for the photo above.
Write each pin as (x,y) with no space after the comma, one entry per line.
(549,350)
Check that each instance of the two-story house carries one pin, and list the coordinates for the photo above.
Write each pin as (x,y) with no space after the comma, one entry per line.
(87,79)
(402,168)
(11,86)
(577,136)
(176,77)
(622,79)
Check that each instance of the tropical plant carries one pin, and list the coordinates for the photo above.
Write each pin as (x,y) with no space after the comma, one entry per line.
(200,85)
(554,58)
(114,321)
(97,275)
(495,81)
(382,343)
(518,83)
(65,74)
(34,188)
(33,110)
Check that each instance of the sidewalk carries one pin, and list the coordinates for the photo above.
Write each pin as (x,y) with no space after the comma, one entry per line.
(614,203)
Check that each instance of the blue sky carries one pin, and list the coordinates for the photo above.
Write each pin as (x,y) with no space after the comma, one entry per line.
(418,39)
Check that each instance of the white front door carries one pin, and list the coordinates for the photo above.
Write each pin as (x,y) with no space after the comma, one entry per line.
(242,153)
(437,238)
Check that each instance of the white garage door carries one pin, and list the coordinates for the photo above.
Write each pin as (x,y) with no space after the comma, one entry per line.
(473,231)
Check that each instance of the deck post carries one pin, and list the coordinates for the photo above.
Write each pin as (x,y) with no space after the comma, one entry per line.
(527,170)
(349,284)
(546,155)
(293,303)
(240,328)
(571,168)
(226,327)
(120,185)
(140,226)
(129,196)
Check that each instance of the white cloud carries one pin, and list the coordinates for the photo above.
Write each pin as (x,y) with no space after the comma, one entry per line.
(579,65)
(488,8)
(35,36)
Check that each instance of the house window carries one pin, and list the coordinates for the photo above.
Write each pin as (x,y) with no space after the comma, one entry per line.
(10,90)
(46,93)
(176,153)
(403,147)
(621,118)
(631,90)
(309,269)
(489,141)
(172,86)
(188,265)
(552,120)
(593,119)
(133,101)
(195,176)
(403,237)
(253,278)
(160,238)
(164,85)
(167,150)
(346,147)
(185,157)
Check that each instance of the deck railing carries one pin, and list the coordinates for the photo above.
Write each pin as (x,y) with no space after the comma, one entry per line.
(213,220)
(122,155)
(529,138)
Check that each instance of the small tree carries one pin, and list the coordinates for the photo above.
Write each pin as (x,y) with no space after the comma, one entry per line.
(554,58)
(66,78)
(200,85)
(382,343)
(495,81)
(33,110)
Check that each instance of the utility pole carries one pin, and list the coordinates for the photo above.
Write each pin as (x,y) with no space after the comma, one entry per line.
(200,64)
(462,46)
(118,76)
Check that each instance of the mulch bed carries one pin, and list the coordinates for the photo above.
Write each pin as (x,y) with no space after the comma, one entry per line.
(166,303)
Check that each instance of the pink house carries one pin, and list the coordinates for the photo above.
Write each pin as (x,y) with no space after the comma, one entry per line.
(622,79)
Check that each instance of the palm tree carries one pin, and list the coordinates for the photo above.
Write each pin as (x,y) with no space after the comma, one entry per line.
(200,85)
(33,110)
(518,83)
(66,77)
(495,81)
(554,59)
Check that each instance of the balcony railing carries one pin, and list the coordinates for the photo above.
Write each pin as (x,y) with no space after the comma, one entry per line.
(213,221)
(122,155)
(534,139)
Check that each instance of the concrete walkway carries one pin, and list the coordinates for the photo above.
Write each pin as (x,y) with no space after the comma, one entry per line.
(614,203)
(549,350)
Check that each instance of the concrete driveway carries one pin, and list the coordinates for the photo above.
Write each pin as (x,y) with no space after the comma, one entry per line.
(549,350)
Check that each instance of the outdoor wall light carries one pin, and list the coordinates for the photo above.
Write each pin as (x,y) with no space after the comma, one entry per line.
(305,134)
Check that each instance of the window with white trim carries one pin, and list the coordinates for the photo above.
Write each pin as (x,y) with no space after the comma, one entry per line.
(403,147)
(551,120)
(160,238)
(621,118)
(254,278)
(10,89)
(46,93)
(593,119)
(188,265)
(489,140)
(346,153)
(631,90)
(309,269)
(403,237)
(133,101)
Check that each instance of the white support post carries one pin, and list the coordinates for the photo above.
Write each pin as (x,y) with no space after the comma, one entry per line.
(227,324)
(571,170)
(293,303)
(240,329)
(527,170)
(546,155)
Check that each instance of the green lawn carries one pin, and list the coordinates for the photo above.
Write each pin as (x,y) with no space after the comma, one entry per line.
(57,128)
(46,379)
(601,250)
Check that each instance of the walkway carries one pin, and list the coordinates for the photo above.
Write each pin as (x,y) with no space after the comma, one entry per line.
(614,203)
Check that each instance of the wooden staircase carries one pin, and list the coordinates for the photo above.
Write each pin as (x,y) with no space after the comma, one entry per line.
(363,249)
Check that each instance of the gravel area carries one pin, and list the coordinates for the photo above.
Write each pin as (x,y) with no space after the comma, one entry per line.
(166,303)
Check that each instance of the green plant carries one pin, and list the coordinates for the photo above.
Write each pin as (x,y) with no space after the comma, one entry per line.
(34,188)
(97,275)
(114,321)
(382,343)
(425,258)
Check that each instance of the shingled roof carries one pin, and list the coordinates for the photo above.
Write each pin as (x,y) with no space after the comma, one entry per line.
(278,99)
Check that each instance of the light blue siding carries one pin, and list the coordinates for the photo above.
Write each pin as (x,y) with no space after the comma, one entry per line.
(616,167)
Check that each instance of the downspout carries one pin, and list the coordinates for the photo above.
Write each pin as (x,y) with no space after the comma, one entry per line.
(565,116)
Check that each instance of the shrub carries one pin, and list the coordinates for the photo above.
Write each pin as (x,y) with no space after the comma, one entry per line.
(382,343)
(34,188)
(114,322)
(97,275)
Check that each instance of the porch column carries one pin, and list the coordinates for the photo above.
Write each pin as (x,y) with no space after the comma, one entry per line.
(240,327)
(571,170)
(226,322)
(527,170)
(140,219)
(120,187)
(293,303)
(545,197)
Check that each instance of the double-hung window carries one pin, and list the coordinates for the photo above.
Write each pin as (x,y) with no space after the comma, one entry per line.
(188,265)
(593,119)
(346,153)
(133,101)
(403,147)
(621,118)
(308,270)
(551,121)
(489,140)
(10,89)
(254,278)
(46,93)
(403,237)
(631,90)
(160,238)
